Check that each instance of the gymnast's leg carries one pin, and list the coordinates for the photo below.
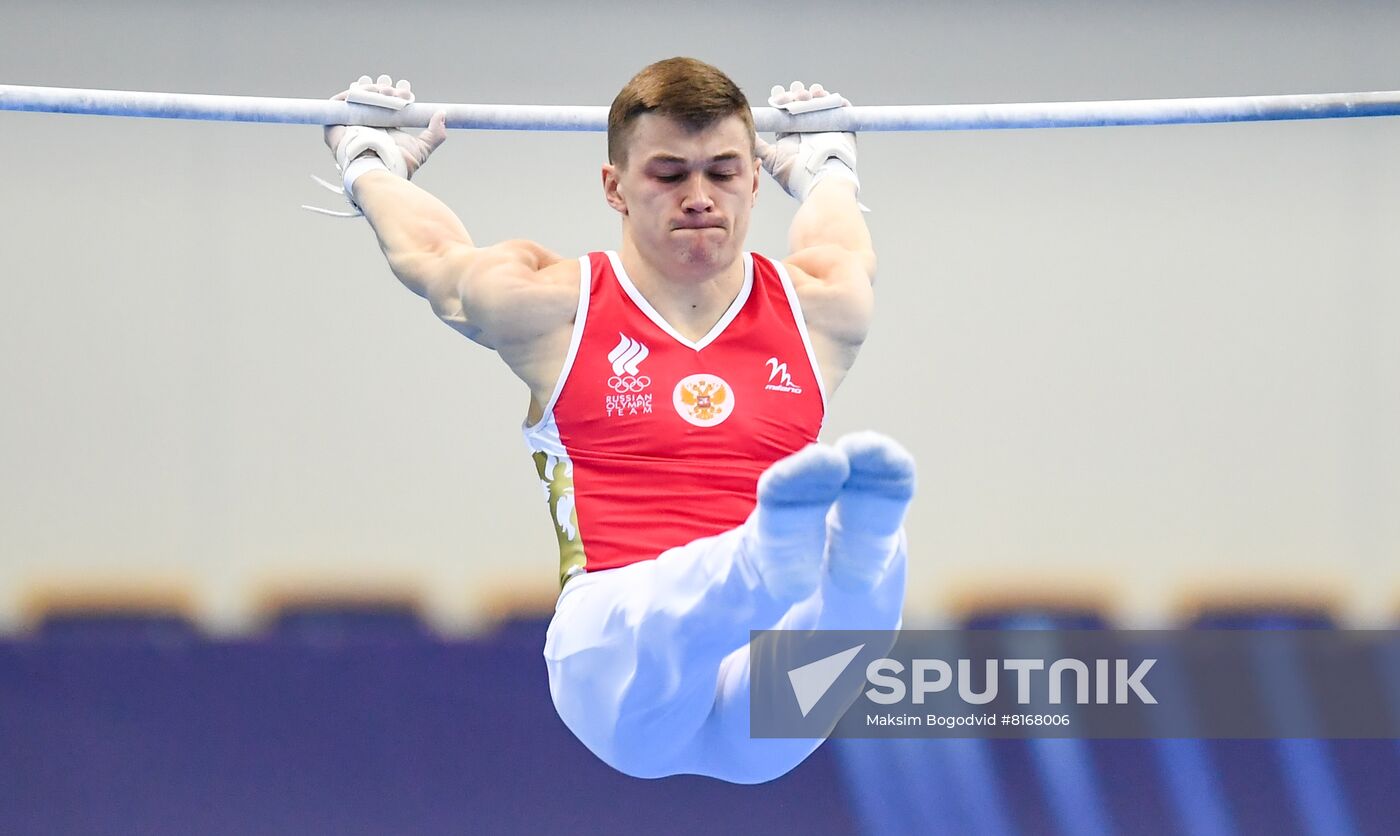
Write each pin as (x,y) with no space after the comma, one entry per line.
(862,589)
(633,653)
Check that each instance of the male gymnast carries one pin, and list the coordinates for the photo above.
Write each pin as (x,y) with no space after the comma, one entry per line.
(677,389)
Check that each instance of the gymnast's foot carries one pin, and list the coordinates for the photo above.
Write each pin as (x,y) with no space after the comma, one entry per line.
(786,536)
(864,529)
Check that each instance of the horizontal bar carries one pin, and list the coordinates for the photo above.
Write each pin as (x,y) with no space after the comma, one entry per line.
(959,117)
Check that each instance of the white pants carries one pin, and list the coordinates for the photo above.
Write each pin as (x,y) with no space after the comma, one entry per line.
(649,663)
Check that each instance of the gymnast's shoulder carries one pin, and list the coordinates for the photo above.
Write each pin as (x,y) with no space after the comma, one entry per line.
(510,292)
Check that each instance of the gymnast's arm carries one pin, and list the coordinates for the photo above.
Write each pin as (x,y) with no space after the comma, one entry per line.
(832,261)
(501,296)
(515,297)
(828,235)
(833,269)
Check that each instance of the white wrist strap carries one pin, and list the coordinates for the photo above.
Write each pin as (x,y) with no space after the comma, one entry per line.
(837,168)
(351,159)
(833,167)
(358,166)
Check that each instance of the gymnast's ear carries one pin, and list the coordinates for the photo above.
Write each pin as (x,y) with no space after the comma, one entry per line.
(757,176)
(612,188)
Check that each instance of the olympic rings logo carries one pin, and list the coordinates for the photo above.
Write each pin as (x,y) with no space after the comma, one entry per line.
(629,383)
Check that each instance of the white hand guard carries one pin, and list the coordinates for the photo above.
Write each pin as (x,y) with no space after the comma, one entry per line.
(798,161)
(359,149)
(358,139)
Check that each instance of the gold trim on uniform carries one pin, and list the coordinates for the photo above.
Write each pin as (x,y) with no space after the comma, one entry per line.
(557,478)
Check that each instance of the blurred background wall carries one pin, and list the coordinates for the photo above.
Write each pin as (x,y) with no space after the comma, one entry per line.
(1141,366)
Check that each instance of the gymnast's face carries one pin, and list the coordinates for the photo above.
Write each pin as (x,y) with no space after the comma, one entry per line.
(685,196)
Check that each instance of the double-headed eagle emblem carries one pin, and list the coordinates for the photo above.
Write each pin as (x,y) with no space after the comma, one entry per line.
(705,399)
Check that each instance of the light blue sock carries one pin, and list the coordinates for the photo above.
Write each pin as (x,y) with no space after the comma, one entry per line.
(786,538)
(863,530)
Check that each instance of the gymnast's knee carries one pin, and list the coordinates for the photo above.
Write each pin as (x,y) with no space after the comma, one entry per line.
(620,720)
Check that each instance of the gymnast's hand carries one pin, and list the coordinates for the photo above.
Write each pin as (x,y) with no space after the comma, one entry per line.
(798,161)
(402,151)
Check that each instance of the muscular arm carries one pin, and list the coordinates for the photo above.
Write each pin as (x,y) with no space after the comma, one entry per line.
(500,296)
(830,218)
(833,260)
(833,270)
(515,297)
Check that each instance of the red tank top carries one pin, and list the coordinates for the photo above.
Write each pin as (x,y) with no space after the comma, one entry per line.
(650,440)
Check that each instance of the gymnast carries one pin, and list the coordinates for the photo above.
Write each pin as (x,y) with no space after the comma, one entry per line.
(678,386)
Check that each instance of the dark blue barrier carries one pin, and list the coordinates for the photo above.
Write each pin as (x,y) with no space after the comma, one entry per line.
(357,720)
(335,722)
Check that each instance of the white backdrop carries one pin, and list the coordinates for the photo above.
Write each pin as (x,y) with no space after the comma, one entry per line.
(1134,363)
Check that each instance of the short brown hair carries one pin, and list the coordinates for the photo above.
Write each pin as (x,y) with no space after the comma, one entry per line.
(692,92)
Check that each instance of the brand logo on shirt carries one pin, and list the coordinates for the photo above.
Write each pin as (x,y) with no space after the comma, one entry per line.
(627,380)
(704,400)
(778,378)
